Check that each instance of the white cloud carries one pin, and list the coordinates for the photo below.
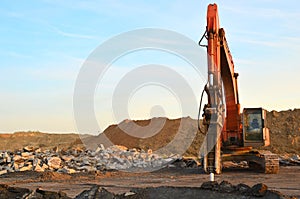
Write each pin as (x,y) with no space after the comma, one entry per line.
(73,35)
(16,55)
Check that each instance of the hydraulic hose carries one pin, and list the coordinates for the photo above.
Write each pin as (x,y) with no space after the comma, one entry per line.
(199,112)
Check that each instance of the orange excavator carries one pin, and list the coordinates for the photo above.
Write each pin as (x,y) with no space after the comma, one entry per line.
(230,134)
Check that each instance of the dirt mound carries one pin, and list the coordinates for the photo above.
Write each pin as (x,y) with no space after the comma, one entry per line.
(170,136)
(118,133)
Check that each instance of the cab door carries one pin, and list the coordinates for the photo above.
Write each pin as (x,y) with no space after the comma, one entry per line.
(254,131)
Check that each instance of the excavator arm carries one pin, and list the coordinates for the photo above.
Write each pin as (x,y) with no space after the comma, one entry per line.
(222,83)
(214,111)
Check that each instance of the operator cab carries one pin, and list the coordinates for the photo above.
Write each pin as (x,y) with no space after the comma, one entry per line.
(255,132)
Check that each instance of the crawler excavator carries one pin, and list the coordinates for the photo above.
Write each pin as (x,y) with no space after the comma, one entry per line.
(230,134)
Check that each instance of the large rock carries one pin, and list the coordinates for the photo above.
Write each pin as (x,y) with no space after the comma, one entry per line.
(226,186)
(38,168)
(243,188)
(50,194)
(259,190)
(296,157)
(26,168)
(13,192)
(66,170)
(54,162)
(16,166)
(8,159)
(26,154)
(96,192)
(210,185)
(3,172)
(28,149)
(45,166)
(17,158)
(67,158)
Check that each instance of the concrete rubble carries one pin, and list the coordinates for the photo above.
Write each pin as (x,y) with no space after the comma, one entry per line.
(112,158)
(78,160)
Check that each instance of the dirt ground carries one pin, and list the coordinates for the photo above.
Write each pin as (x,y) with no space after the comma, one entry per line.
(286,182)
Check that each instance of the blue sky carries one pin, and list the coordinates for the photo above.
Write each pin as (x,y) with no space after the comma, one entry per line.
(44,44)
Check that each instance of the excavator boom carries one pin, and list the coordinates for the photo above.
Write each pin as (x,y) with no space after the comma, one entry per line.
(221,69)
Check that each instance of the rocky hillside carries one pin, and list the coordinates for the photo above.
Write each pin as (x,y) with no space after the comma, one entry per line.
(18,140)
(285,131)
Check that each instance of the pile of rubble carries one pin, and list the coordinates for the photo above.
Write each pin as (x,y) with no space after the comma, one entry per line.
(78,160)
